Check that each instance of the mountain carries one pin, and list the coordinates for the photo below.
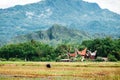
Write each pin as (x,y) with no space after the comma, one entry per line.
(75,14)
(56,34)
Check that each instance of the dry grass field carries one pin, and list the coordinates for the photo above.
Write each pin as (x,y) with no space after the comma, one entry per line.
(60,71)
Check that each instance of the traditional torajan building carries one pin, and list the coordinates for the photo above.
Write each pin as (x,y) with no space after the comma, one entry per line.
(74,55)
(82,53)
(91,55)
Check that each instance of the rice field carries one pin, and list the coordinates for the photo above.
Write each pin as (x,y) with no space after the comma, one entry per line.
(60,71)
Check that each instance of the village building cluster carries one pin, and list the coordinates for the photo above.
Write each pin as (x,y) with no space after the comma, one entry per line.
(84,54)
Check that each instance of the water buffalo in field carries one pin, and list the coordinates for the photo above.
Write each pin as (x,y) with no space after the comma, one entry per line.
(48,65)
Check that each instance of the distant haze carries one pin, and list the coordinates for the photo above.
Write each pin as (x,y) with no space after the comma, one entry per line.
(10,3)
(112,5)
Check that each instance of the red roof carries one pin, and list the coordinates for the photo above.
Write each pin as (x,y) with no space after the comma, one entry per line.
(72,54)
(83,52)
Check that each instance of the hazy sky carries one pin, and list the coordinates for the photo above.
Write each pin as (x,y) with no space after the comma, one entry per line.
(113,5)
(11,3)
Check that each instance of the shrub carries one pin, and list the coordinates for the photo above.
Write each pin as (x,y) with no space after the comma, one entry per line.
(111,58)
(14,59)
(43,59)
(35,58)
(3,59)
(57,59)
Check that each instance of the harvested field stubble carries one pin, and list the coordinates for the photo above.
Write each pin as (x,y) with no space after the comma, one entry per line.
(60,70)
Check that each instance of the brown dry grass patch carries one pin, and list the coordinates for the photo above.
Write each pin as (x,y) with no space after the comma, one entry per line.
(87,70)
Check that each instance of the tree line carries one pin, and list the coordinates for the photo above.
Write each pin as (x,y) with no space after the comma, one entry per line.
(37,51)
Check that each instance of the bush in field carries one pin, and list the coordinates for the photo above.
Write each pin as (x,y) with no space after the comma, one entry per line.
(3,59)
(57,59)
(14,59)
(35,59)
(111,58)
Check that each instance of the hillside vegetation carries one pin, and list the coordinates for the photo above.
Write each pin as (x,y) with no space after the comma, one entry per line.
(76,14)
(55,35)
